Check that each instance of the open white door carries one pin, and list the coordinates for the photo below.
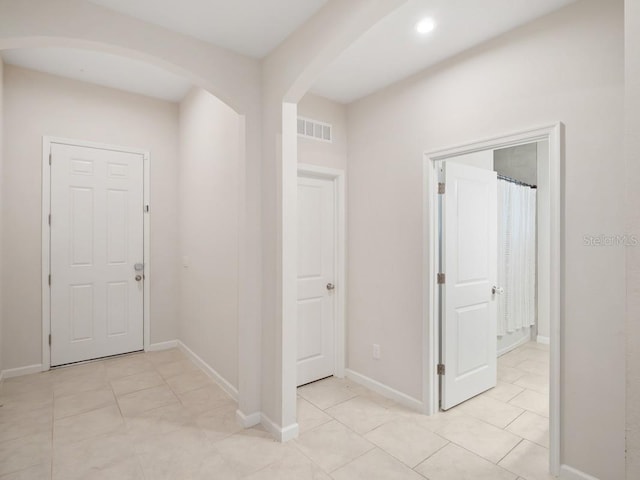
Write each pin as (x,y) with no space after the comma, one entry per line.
(316,279)
(469,242)
(97,239)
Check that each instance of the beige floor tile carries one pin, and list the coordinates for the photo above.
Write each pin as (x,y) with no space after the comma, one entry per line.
(332,445)
(532,427)
(533,401)
(309,416)
(436,421)
(147,399)
(24,452)
(173,369)
(186,382)
(375,465)
(263,449)
(361,414)
(528,460)
(540,346)
(82,402)
(128,365)
(37,472)
(456,463)
(40,384)
(209,397)
(158,421)
(135,382)
(86,425)
(23,423)
(503,391)
(185,453)
(293,466)
(512,358)
(537,368)
(95,369)
(534,354)
(97,457)
(165,356)
(75,384)
(490,410)
(219,423)
(479,437)
(406,440)
(537,383)
(329,392)
(15,405)
(508,374)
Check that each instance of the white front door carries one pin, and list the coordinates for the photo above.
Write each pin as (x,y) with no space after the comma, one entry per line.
(469,314)
(96,241)
(316,279)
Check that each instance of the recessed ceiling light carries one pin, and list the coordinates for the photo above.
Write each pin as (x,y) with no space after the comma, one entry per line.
(425,25)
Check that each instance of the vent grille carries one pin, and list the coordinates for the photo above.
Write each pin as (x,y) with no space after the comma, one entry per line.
(313,129)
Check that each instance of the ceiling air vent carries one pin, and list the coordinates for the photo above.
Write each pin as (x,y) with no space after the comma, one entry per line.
(314,129)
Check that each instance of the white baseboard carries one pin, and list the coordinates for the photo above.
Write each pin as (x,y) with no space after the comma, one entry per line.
(248,421)
(543,340)
(281,434)
(385,391)
(156,347)
(219,379)
(570,473)
(18,372)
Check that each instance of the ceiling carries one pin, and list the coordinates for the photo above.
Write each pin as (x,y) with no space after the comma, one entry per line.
(103,69)
(393,50)
(249,27)
(390,51)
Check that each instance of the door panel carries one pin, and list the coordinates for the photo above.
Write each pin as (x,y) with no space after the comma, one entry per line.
(316,269)
(96,239)
(470,264)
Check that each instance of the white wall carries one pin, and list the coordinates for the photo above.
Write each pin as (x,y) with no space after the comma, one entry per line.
(209,197)
(567,66)
(38,104)
(632,175)
(325,154)
(1,201)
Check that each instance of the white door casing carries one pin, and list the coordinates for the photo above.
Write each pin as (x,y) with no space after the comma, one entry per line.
(97,237)
(470,265)
(316,357)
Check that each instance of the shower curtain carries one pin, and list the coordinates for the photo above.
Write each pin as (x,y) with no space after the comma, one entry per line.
(516,256)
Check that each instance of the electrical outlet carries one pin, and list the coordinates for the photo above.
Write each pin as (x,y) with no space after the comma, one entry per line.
(376,351)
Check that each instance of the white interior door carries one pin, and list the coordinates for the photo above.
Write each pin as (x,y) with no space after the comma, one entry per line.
(469,314)
(316,279)
(96,241)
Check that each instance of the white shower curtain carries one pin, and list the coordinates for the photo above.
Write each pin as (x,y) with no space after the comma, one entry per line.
(516,256)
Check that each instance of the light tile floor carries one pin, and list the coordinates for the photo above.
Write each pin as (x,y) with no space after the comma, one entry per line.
(156,416)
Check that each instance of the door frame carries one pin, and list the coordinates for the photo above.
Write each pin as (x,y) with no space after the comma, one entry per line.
(47,142)
(554,133)
(337,176)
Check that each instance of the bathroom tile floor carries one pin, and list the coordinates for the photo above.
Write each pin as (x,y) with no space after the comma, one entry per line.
(156,416)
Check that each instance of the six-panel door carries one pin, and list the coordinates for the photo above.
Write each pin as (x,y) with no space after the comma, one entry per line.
(96,240)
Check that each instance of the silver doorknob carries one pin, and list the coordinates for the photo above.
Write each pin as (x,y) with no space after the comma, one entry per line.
(138,278)
(331,286)
(498,290)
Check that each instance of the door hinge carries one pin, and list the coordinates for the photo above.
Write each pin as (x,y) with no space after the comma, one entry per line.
(146,209)
(49,339)
(49,279)
(441,279)
(440,369)
(49,219)
(49,158)
(441,188)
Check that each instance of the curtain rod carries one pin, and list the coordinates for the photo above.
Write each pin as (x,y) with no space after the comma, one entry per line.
(513,180)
